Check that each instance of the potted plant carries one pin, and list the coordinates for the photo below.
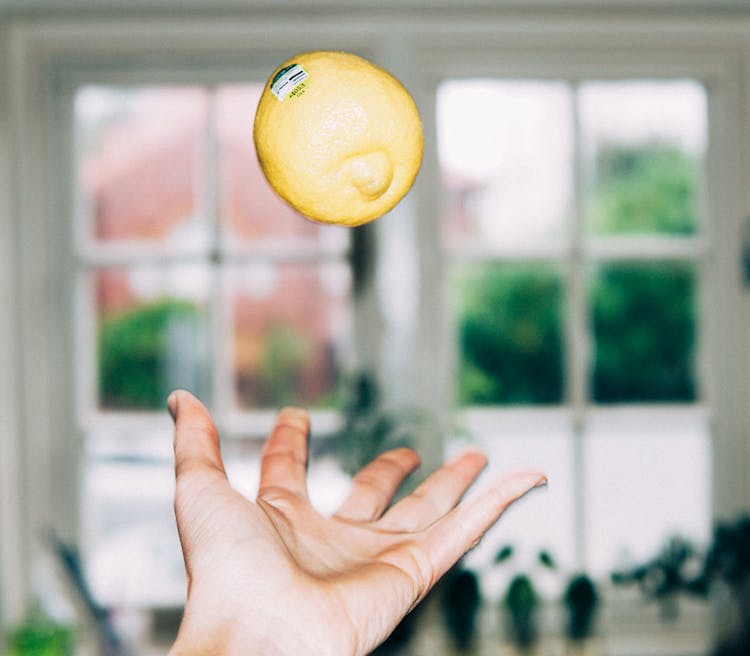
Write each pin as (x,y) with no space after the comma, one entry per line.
(581,601)
(727,564)
(521,603)
(460,604)
(368,428)
(665,577)
(40,637)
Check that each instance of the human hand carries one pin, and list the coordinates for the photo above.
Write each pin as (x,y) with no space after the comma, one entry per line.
(275,577)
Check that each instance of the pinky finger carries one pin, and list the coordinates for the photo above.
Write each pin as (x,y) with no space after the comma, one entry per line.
(450,538)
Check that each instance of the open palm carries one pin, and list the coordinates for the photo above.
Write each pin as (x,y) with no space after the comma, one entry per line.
(276,577)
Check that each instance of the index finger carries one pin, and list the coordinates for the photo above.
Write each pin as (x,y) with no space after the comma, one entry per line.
(283,464)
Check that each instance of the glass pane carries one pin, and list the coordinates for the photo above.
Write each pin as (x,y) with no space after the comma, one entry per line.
(292,326)
(545,519)
(644,330)
(140,156)
(249,209)
(647,479)
(509,332)
(130,545)
(505,150)
(152,334)
(643,146)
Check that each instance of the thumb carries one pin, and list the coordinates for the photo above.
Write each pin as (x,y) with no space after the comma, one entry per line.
(196,440)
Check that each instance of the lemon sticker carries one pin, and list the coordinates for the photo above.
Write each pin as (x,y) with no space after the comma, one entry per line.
(288,80)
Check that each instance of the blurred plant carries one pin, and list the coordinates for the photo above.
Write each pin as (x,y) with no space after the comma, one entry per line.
(581,601)
(644,329)
(521,602)
(368,428)
(135,353)
(509,334)
(727,564)
(460,602)
(652,187)
(680,568)
(40,637)
(284,354)
(674,570)
(728,560)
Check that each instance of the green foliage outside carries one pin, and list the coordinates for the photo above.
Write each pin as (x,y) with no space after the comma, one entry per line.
(285,353)
(134,372)
(511,316)
(645,190)
(643,327)
(40,638)
(510,335)
(642,314)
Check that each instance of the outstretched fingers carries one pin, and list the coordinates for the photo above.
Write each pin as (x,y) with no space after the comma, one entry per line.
(374,485)
(283,463)
(451,537)
(437,495)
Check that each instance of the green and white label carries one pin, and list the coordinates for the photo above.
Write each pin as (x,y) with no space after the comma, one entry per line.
(288,80)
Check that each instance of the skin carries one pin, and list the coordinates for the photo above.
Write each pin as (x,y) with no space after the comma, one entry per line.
(274,576)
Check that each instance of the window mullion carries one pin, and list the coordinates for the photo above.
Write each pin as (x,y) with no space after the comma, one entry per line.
(578,337)
(217,321)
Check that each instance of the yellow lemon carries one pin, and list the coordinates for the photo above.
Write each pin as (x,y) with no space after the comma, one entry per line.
(337,137)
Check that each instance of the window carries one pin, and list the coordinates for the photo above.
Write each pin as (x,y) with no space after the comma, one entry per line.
(191,273)
(574,230)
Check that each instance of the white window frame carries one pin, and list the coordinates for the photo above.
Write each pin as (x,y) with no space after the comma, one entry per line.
(41,448)
(719,376)
(527,56)
(89,255)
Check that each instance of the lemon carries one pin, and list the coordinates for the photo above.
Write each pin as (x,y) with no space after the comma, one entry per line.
(337,137)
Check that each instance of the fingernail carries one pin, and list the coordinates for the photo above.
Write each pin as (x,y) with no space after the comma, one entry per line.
(294,414)
(172,405)
(293,411)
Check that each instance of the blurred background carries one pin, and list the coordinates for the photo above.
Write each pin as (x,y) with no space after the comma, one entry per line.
(564,286)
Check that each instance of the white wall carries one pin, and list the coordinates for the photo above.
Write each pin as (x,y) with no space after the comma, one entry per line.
(12,580)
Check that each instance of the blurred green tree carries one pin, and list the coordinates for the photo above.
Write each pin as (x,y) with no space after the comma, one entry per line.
(509,335)
(647,189)
(138,365)
(278,378)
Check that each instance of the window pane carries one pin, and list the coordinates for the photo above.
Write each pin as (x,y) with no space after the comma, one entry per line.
(292,328)
(647,478)
(509,332)
(643,145)
(644,331)
(249,209)
(505,150)
(544,520)
(151,334)
(130,545)
(139,162)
